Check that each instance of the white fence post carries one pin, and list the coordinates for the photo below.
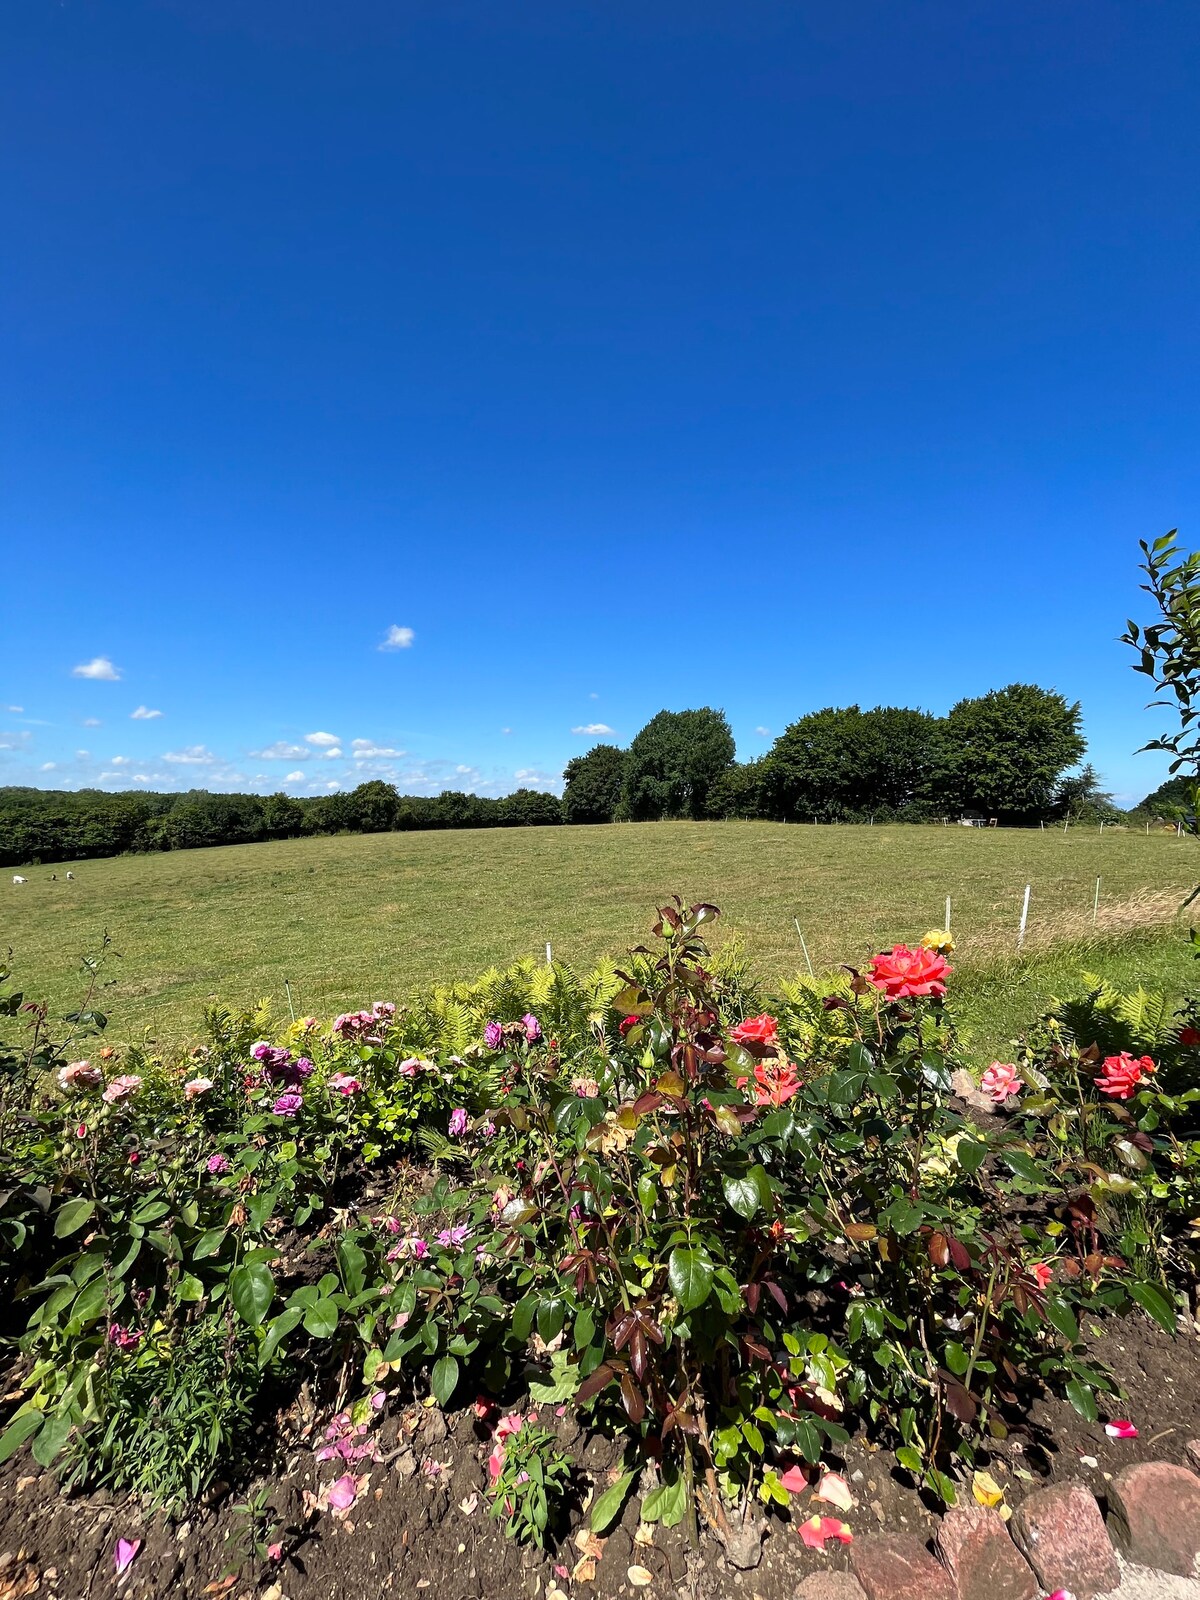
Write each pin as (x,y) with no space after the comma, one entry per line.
(1024,919)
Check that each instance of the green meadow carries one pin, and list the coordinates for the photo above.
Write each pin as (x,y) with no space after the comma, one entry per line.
(352,919)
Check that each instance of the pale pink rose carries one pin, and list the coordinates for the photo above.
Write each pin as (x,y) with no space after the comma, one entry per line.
(1000,1081)
(195,1087)
(122,1088)
(80,1075)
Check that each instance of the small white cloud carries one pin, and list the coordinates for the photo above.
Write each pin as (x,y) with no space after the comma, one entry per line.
(763,733)
(194,755)
(49,766)
(83,755)
(322,740)
(91,722)
(505,730)
(593,695)
(331,754)
(332,785)
(294,777)
(16,710)
(462,771)
(144,714)
(281,751)
(365,750)
(140,777)
(398,638)
(594,728)
(100,667)
(118,761)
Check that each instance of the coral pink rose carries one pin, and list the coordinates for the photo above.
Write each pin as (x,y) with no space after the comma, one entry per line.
(756,1030)
(1121,1075)
(905,974)
(1000,1081)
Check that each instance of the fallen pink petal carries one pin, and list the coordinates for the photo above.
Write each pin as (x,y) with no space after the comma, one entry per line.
(834,1489)
(818,1530)
(794,1480)
(343,1492)
(124,1553)
(1117,1429)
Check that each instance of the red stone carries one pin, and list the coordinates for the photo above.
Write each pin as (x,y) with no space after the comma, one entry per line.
(1154,1510)
(897,1566)
(1193,1452)
(829,1586)
(981,1558)
(1061,1533)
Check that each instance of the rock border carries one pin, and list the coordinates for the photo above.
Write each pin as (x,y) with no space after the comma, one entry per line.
(1056,1539)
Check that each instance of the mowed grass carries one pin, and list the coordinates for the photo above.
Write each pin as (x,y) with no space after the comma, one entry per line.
(355,919)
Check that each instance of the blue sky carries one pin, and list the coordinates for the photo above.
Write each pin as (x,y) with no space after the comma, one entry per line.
(764,356)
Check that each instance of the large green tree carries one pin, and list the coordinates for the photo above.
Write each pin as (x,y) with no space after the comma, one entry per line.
(593,784)
(843,764)
(528,808)
(673,763)
(1006,751)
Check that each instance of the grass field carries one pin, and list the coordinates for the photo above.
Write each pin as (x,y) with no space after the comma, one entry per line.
(360,918)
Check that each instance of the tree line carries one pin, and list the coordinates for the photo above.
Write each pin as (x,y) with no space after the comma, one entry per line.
(1009,754)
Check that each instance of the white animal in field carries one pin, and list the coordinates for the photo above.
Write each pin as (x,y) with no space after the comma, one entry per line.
(70,877)
(17,878)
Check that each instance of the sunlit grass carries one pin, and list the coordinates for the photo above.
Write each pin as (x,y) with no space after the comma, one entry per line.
(361,918)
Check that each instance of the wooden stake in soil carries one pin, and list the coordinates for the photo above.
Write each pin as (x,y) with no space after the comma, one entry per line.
(947,913)
(549,954)
(288,990)
(1096,903)
(1024,919)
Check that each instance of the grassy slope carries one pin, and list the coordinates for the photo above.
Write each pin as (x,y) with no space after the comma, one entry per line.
(360,918)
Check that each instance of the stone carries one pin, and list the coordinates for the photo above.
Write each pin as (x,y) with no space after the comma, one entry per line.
(897,1566)
(1193,1454)
(963,1084)
(974,1545)
(829,1586)
(1060,1532)
(1154,1510)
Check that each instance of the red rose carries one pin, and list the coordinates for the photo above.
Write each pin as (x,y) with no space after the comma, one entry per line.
(903,973)
(626,1023)
(755,1030)
(1121,1075)
(1189,1036)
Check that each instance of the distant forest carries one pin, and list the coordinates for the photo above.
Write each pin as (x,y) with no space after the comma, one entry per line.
(1013,755)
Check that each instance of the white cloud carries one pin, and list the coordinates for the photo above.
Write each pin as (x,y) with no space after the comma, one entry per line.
(505,730)
(16,710)
(593,695)
(118,761)
(83,755)
(763,733)
(281,751)
(92,722)
(195,755)
(364,750)
(144,714)
(398,638)
(322,740)
(49,766)
(463,771)
(593,728)
(140,777)
(332,785)
(294,777)
(331,755)
(534,778)
(100,667)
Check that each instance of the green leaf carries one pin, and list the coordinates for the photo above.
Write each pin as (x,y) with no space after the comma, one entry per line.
(690,1275)
(278,1331)
(353,1264)
(444,1379)
(647,1191)
(522,1318)
(1084,1401)
(666,1504)
(92,1301)
(51,1439)
(969,1153)
(15,1435)
(607,1507)
(910,1459)
(1019,1163)
(208,1244)
(72,1217)
(1155,1303)
(190,1288)
(252,1288)
(957,1359)
(585,1327)
(742,1195)
(321,1319)
(551,1315)
(1059,1315)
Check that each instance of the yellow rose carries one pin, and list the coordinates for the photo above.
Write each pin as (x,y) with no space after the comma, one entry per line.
(938,939)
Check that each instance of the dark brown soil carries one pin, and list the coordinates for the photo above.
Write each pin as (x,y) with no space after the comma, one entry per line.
(421,1524)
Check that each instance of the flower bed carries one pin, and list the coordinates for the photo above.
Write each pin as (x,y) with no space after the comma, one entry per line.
(741,1236)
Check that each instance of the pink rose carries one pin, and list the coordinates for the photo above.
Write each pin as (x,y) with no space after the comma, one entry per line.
(1000,1081)
(196,1087)
(122,1088)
